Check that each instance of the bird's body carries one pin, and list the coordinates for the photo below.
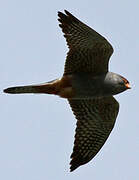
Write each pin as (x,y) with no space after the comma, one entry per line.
(88,86)
(76,86)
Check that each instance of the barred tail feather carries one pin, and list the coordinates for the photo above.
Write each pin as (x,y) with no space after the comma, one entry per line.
(44,88)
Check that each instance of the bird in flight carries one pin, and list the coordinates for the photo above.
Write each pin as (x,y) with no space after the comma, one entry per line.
(88,86)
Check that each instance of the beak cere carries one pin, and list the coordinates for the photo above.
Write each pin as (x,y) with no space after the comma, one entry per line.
(128,86)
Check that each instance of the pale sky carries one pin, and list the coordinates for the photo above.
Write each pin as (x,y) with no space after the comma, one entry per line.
(37,131)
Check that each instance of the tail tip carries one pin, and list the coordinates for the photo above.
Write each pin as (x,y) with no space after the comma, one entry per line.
(8,90)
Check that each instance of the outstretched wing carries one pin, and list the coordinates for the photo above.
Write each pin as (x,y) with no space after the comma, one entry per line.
(88,50)
(95,121)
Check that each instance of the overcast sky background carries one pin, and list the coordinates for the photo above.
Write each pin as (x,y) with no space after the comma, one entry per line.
(37,131)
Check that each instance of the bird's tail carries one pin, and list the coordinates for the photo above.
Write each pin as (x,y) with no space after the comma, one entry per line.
(48,88)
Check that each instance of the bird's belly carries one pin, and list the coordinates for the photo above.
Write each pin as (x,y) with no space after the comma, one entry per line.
(80,87)
(86,87)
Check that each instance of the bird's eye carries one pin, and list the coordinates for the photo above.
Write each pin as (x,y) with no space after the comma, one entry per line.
(121,83)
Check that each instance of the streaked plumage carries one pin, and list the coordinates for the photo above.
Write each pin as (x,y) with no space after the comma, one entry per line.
(88,86)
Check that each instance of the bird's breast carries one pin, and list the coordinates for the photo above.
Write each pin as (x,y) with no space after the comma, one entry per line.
(82,86)
(78,86)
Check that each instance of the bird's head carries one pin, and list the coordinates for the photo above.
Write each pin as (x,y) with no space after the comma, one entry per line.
(116,83)
(122,84)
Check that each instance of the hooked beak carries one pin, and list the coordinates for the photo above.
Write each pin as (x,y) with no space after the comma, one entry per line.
(128,86)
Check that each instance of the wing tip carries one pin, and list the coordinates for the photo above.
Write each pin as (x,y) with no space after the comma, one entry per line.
(66,13)
(73,165)
(67,17)
(76,161)
(72,168)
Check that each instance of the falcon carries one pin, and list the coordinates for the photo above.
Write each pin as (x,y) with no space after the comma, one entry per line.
(88,86)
